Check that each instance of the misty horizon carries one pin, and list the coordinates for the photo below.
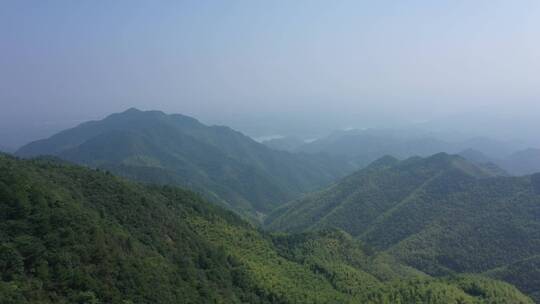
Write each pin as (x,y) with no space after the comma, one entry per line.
(282,126)
(266,69)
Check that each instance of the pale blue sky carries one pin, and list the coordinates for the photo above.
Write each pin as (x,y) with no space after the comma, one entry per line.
(339,63)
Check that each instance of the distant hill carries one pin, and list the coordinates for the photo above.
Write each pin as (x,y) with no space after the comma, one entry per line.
(440,214)
(475,156)
(74,235)
(480,159)
(227,166)
(372,143)
(362,147)
(290,144)
(522,162)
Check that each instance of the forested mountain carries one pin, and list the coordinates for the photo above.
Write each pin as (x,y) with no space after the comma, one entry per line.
(440,214)
(75,235)
(174,149)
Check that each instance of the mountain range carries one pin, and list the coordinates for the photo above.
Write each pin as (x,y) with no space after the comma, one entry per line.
(435,228)
(225,165)
(442,215)
(361,147)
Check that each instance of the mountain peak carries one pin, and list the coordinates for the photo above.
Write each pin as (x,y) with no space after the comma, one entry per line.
(443,156)
(132,110)
(134,113)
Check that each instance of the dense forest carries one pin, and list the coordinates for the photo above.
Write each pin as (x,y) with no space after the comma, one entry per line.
(442,215)
(76,235)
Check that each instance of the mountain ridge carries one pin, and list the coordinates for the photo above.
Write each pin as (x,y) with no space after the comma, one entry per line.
(230,167)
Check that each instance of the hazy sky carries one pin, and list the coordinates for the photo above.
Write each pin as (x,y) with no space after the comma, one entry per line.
(318,63)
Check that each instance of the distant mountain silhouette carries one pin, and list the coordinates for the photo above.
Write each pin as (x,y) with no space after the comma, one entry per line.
(522,162)
(362,147)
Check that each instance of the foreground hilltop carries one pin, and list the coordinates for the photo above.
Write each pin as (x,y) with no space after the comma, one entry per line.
(75,235)
(227,166)
(441,214)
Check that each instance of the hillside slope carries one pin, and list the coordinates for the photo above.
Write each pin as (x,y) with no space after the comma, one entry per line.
(440,214)
(74,235)
(355,202)
(227,166)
